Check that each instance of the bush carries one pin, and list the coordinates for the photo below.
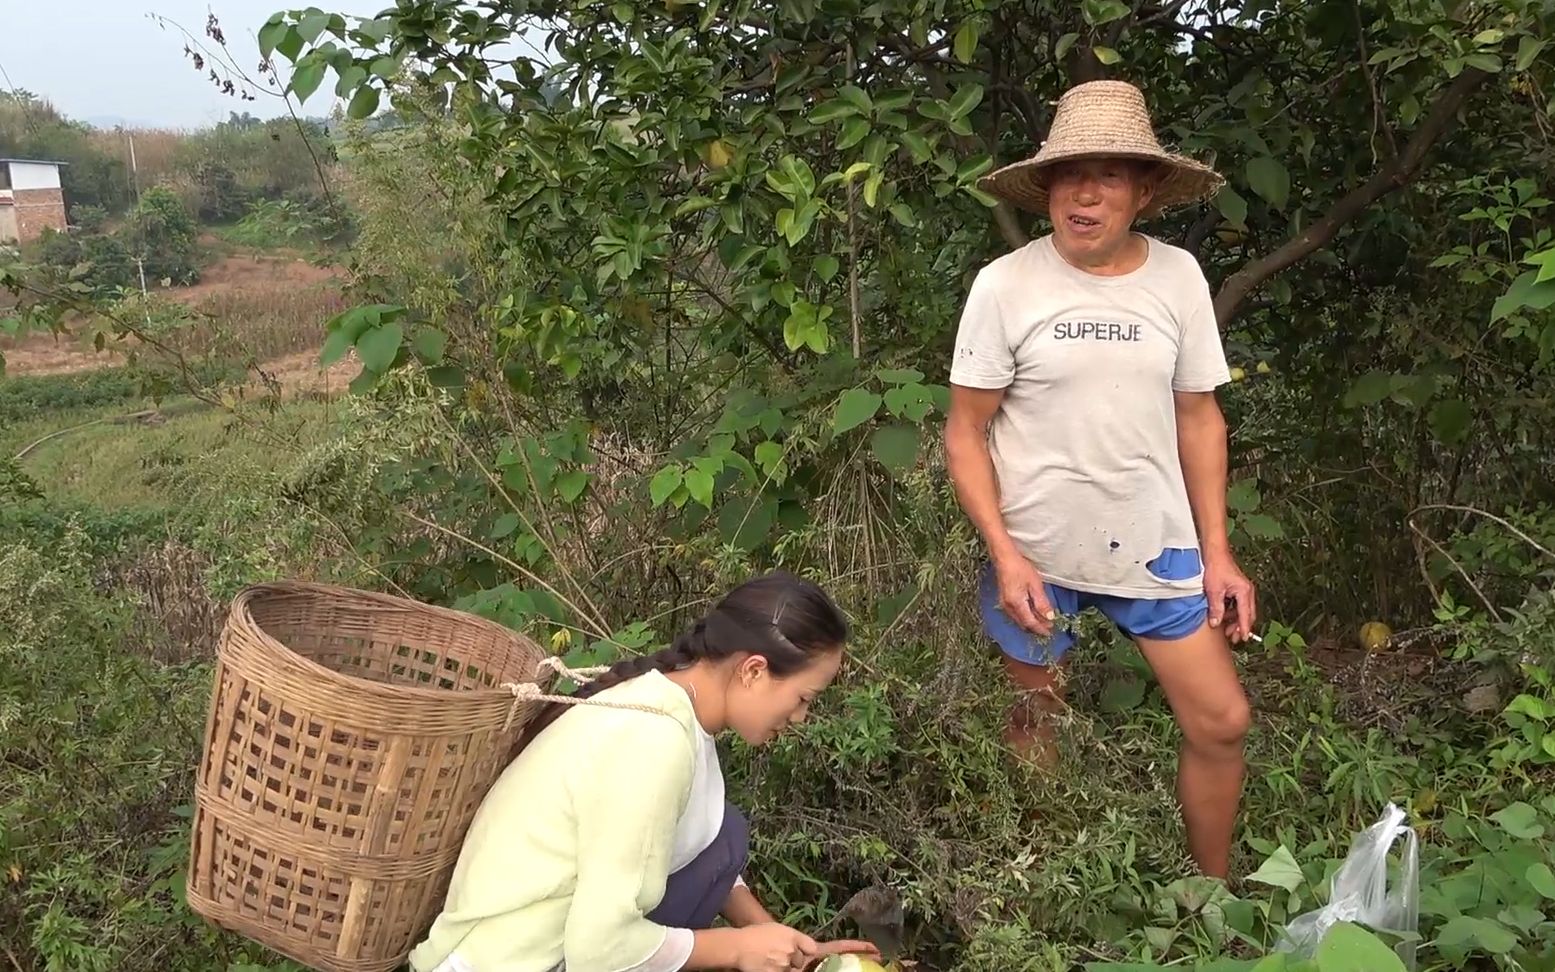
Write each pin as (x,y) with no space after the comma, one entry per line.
(162,232)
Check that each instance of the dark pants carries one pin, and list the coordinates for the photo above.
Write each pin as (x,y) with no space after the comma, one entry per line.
(695,894)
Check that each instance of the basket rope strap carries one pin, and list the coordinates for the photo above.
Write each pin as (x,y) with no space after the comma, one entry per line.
(531,691)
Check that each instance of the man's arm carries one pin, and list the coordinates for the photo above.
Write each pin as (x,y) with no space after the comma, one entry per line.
(1201,448)
(970,465)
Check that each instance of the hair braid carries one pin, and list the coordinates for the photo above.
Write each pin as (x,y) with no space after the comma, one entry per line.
(780,617)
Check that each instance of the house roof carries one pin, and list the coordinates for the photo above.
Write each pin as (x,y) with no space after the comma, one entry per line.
(36,161)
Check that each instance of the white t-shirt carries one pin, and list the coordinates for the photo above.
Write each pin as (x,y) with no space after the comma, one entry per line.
(1084,444)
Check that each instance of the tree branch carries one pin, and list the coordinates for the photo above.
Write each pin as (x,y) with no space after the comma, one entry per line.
(1392,176)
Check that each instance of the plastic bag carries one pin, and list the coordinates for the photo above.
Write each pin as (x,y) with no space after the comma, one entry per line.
(1360,893)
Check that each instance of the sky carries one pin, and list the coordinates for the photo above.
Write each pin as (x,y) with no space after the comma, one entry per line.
(109,62)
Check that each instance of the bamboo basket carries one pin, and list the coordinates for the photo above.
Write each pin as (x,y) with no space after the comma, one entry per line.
(350,740)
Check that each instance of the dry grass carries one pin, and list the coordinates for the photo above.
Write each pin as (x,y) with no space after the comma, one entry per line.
(156,151)
(262,324)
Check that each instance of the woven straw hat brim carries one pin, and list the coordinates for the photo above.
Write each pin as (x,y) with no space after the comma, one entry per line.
(1182,182)
(1103,119)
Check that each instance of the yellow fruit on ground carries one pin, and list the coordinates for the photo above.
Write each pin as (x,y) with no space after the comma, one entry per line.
(1237,374)
(1375,635)
(1263,368)
(853,963)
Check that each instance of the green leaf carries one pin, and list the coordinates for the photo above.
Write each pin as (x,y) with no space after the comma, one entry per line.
(1481,933)
(1099,12)
(1528,50)
(1106,55)
(1243,496)
(965,99)
(918,146)
(350,79)
(1270,179)
(872,188)
(896,446)
(271,34)
(699,484)
(1064,44)
(853,133)
(695,205)
(429,344)
(1490,37)
(1526,291)
(312,24)
(1280,871)
(857,96)
(1546,263)
(571,484)
(1540,876)
(769,456)
(378,346)
(307,77)
(899,376)
(1520,820)
(505,525)
(974,167)
(854,408)
(912,402)
(1262,526)
(965,46)
(806,326)
(744,522)
(826,267)
(290,44)
(1369,389)
(665,482)
(382,67)
(1232,206)
(336,345)
(1450,420)
(363,103)
(1350,948)
(1123,694)
(902,213)
(830,111)
(1489,63)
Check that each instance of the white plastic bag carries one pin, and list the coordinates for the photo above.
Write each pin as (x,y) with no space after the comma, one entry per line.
(1360,892)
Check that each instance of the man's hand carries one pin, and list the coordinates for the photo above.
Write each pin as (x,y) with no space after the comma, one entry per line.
(1223,582)
(1022,596)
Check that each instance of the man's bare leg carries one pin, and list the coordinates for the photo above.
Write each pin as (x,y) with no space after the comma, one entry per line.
(1199,677)
(1031,731)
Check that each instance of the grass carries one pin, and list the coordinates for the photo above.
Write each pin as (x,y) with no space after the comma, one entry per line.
(117,465)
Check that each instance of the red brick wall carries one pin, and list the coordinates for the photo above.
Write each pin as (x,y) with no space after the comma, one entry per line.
(36,209)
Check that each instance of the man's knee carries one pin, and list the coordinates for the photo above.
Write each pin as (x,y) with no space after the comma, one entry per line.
(1221,726)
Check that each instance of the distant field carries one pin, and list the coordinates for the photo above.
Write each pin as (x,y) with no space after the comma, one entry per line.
(251,309)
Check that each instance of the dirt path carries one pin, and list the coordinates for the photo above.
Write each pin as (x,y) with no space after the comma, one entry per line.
(250,273)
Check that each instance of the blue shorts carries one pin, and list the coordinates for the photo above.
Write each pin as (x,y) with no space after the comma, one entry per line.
(1166,619)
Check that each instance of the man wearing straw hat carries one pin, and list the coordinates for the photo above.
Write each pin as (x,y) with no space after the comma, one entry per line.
(1088,448)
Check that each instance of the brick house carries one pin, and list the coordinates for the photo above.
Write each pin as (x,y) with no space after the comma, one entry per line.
(30,199)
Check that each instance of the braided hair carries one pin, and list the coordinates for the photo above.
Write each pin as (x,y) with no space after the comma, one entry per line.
(785,619)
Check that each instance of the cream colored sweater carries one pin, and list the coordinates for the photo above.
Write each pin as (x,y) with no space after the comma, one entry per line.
(573,844)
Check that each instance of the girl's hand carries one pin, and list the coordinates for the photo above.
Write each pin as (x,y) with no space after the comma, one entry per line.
(846,947)
(774,948)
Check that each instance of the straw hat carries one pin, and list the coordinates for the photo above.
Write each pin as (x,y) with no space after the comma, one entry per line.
(1103,119)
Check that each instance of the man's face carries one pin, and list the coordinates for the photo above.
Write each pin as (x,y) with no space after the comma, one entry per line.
(1094,202)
